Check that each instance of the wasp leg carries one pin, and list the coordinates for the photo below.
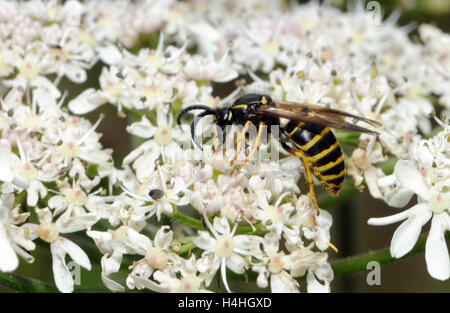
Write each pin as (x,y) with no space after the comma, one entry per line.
(309,179)
(218,140)
(256,145)
(240,140)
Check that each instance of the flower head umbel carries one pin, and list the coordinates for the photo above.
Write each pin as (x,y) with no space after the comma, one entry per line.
(428,176)
(171,217)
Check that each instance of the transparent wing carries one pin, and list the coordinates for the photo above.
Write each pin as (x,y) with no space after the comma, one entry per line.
(314,114)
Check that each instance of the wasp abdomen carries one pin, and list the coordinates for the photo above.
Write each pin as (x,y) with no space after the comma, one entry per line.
(322,152)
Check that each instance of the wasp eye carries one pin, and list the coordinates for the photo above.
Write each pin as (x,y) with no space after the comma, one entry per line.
(156,194)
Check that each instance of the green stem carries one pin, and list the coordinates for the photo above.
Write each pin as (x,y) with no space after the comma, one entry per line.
(185,219)
(22,284)
(359,262)
(197,224)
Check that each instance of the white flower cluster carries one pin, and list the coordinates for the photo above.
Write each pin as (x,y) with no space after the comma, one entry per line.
(57,178)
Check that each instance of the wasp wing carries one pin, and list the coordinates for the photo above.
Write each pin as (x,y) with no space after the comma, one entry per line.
(314,114)
(296,106)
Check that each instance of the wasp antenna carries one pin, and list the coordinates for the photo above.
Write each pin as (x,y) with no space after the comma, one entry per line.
(191,108)
(195,122)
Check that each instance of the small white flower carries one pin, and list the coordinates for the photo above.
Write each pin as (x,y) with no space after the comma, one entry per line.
(159,261)
(113,244)
(14,239)
(208,69)
(433,203)
(50,231)
(225,248)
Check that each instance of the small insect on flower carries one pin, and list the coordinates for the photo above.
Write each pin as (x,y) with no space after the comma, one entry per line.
(307,135)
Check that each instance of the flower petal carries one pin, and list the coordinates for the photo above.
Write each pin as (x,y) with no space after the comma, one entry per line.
(111,265)
(410,177)
(143,128)
(436,252)
(204,241)
(63,278)
(314,286)
(163,237)
(69,224)
(221,225)
(399,197)
(8,162)
(406,235)
(236,263)
(391,219)
(75,73)
(8,258)
(82,104)
(75,252)
(147,283)
(283,283)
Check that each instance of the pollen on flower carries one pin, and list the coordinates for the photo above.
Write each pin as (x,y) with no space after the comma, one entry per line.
(105,21)
(120,233)
(114,88)
(163,135)
(276,264)
(190,283)
(154,60)
(48,232)
(439,202)
(156,258)
(29,69)
(87,38)
(360,159)
(154,91)
(2,65)
(224,246)
(275,214)
(28,171)
(270,47)
(32,120)
(69,149)
(76,196)
(59,55)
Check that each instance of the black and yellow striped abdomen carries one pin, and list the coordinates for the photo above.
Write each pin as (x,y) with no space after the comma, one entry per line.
(321,149)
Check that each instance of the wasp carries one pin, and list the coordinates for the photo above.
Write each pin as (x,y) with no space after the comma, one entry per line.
(307,133)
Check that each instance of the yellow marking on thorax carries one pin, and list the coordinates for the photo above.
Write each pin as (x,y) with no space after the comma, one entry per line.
(263,100)
(230,115)
(300,124)
(320,155)
(329,165)
(313,141)
(239,106)
(334,176)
